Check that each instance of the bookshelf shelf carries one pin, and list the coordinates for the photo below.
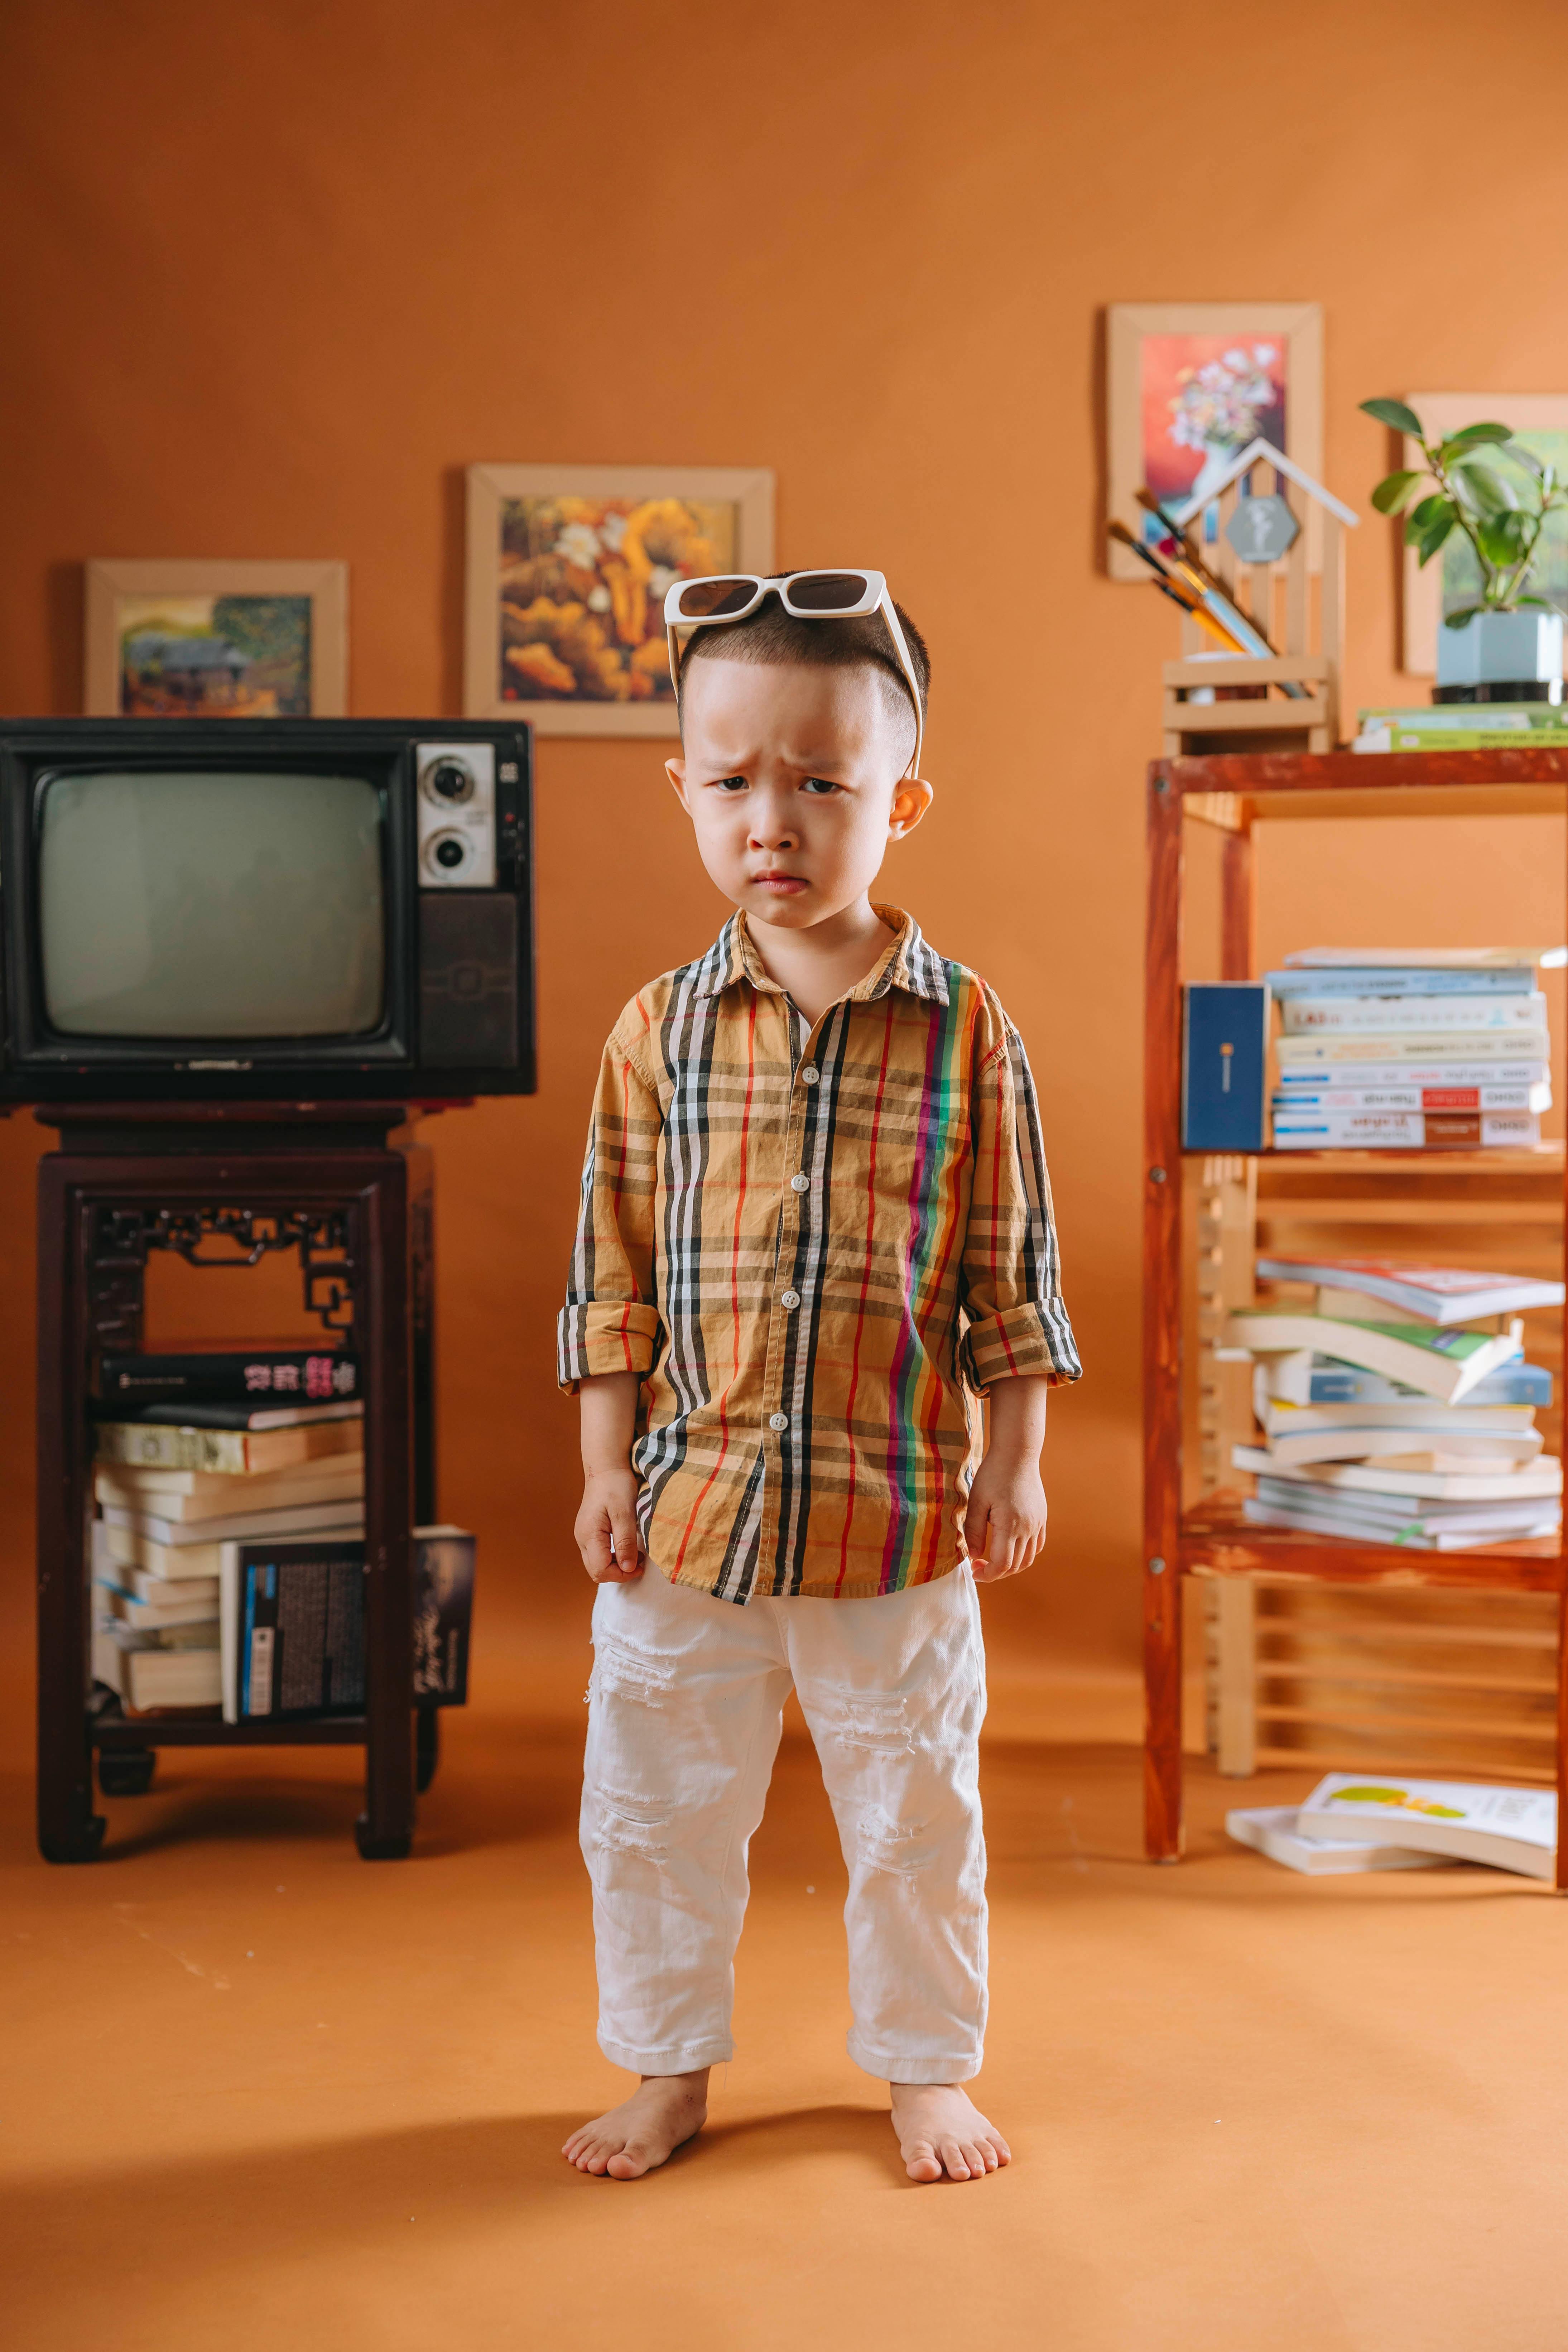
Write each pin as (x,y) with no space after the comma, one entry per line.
(1520,1190)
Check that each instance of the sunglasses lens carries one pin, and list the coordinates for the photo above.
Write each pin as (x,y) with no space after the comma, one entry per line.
(714,600)
(825,591)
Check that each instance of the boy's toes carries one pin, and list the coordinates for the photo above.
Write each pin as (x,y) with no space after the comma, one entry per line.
(630,2162)
(997,2146)
(979,2157)
(921,2162)
(953,2157)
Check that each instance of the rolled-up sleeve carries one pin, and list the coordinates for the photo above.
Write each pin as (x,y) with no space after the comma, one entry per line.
(1018,1324)
(611,1321)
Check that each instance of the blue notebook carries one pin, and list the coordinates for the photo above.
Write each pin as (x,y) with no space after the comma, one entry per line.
(1225,1049)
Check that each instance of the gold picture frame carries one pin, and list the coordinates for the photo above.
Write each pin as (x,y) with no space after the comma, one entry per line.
(567,566)
(1164,423)
(1540,417)
(158,632)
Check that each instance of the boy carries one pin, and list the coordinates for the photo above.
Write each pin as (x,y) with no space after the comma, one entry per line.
(816,1225)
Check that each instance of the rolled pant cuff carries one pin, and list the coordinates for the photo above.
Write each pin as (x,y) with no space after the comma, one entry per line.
(902,2066)
(675,2058)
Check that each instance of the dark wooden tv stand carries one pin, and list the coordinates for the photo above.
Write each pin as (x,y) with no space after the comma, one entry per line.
(250,1178)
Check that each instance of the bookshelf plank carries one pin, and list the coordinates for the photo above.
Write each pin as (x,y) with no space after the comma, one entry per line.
(1161,1332)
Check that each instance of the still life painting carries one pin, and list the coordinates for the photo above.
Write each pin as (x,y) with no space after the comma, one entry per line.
(196,640)
(1191,385)
(567,576)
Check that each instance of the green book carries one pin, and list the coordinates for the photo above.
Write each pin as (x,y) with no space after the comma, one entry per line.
(1443,1363)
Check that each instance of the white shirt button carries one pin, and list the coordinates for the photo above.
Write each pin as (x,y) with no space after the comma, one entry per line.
(800,1182)
(778,1421)
(792,1300)
(810,1074)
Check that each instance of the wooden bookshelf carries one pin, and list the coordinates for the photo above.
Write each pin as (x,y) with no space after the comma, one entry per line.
(1204,1534)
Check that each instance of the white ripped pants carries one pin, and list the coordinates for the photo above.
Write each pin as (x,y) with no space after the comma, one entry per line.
(686,1707)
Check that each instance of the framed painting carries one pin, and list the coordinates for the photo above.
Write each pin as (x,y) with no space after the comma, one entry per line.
(1189,384)
(567,571)
(1540,420)
(198,640)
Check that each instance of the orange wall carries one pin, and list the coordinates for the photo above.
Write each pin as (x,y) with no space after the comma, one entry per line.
(274,274)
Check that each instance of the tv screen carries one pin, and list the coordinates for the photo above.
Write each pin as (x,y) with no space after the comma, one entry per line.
(212,905)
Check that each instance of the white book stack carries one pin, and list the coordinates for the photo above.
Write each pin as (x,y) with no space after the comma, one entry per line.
(1435,1446)
(1390,1049)
(162,1523)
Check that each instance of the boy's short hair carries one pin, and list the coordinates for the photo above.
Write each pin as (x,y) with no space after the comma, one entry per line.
(770,634)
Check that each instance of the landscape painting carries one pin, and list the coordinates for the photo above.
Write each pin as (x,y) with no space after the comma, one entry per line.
(187,639)
(215,656)
(567,577)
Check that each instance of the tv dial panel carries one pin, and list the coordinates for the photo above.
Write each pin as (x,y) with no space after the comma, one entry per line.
(455,823)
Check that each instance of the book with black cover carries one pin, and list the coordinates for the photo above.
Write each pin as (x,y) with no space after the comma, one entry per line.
(283,1375)
(292,1624)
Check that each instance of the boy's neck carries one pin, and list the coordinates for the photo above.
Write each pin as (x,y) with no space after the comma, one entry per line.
(818,965)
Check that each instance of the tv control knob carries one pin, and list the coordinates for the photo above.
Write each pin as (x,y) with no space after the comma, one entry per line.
(450,853)
(451,781)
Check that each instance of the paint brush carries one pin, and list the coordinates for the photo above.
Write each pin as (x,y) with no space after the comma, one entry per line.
(1193,605)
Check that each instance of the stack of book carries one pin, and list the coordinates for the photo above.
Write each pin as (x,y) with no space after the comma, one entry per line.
(1384,1049)
(177,1485)
(1352,1821)
(1407,1429)
(1464,727)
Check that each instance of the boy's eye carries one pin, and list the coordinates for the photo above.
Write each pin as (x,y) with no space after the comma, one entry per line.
(728,783)
(820,785)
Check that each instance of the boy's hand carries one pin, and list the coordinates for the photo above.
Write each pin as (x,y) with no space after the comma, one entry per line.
(1005,1525)
(608,1518)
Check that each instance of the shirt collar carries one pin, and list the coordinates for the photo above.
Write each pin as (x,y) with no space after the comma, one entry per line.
(907,963)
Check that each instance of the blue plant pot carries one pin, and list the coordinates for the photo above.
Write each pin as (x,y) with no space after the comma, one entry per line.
(1501,657)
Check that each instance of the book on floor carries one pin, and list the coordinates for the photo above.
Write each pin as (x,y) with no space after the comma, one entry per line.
(1436,1293)
(1508,1828)
(1272,1829)
(230,1375)
(233,1452)
(1441,1364)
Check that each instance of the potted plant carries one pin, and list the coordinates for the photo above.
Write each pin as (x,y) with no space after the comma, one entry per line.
(1506,645)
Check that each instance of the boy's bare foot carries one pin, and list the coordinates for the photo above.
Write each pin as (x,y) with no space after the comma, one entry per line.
(941,2131)
(664,2110)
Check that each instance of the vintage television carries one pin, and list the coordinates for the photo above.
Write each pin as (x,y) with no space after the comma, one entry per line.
(331,910)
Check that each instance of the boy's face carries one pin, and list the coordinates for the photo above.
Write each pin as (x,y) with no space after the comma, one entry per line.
(793,778)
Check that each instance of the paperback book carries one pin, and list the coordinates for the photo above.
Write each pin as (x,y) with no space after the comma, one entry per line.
(1507,1828)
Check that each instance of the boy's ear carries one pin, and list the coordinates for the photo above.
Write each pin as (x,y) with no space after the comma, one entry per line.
(912,799)
(676,770)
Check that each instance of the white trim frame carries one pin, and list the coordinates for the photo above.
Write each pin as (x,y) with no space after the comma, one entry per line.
(325,582)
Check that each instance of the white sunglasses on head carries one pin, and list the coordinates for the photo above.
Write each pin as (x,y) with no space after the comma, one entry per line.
(807,596)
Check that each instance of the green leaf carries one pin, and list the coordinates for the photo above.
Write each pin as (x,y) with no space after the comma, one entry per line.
(1436,531)
(1463,617)
(1394,491)
(1500,538)
(1395,412)
(1544,603)
(1420,515)
(1527,459)
(1488,491)
(1470,436)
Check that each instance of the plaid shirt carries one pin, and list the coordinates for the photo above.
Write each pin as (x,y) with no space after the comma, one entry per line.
(816,1241)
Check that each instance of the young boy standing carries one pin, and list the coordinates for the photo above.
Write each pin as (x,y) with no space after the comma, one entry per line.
(816,1228)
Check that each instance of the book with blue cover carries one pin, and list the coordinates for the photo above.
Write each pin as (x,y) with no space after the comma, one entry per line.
(1224,1050)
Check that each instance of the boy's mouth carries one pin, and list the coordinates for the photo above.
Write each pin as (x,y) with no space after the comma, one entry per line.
(782,885)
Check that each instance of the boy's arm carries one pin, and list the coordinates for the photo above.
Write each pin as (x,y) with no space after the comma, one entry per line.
(1019,1343)
(607,1529)
(610,1325)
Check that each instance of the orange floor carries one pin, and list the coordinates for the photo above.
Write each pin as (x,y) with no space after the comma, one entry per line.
(259,2093)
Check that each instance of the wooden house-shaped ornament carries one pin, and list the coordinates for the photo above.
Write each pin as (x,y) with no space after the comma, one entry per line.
(1277,529)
